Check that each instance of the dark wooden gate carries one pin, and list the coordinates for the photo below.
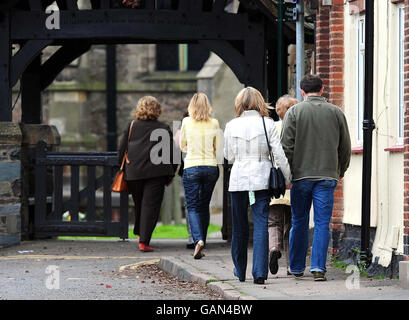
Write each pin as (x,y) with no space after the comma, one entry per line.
(50,222)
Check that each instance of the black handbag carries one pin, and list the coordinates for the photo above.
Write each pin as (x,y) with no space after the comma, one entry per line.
(276,184)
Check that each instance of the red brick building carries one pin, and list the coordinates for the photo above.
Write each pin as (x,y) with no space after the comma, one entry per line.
(339,61)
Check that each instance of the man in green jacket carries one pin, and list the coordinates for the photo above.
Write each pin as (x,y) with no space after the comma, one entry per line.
(316,141)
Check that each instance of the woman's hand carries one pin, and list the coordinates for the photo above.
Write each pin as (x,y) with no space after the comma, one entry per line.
(169,182)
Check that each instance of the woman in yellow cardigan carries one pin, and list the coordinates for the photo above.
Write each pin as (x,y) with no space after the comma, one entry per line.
(199,139)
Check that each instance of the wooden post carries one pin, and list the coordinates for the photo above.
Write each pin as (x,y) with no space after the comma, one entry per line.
(5,59)
(31,93)
(111,97)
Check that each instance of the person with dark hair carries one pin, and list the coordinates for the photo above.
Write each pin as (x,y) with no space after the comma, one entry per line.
(316,141)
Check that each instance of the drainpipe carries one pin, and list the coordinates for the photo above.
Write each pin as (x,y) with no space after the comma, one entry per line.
(299,47)
(368,127)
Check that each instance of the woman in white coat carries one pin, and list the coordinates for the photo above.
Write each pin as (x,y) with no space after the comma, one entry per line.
(245,145)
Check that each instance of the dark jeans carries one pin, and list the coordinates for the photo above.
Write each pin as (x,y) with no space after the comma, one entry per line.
(239,243)
(147,195)
(199,183)
(303,194)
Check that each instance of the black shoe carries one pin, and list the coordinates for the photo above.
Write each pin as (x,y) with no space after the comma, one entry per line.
(190,246)
(298,275)
(275,254)
(259,281)
(319,276)
(236,275)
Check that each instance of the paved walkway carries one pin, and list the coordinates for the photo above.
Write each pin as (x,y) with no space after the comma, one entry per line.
(216,269)
(84,259)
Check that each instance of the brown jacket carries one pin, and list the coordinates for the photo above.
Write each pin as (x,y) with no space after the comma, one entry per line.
(140,164)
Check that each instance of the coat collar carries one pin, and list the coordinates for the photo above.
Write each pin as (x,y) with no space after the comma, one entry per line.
(312,98)
(250,113)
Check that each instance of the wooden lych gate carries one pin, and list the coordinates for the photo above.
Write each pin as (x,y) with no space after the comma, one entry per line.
(246,40)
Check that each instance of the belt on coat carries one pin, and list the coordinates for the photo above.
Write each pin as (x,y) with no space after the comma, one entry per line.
(253,158)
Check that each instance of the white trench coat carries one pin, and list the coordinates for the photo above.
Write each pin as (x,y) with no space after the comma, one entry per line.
(245,146)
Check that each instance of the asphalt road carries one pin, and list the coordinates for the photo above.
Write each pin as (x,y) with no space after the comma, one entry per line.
(65,270)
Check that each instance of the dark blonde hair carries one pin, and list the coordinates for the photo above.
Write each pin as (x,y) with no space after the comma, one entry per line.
(148,108)
(199,107)
(286,101)
(250,99)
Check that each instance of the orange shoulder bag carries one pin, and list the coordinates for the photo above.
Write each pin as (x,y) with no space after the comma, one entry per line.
(119,184)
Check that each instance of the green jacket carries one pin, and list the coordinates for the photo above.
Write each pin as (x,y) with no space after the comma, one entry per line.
(315,139)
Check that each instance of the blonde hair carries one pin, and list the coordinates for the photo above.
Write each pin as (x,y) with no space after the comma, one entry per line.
(250,99)
(286,101)
(148,108)
(199,107)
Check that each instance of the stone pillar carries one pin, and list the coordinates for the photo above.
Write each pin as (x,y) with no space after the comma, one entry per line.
(404,274)
(10,182)
(30,135)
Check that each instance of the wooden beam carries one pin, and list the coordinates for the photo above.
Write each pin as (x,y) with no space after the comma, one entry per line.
(35,5)
(230,55)
(59,60)
(24,56)
(219,6)
(111,97)
(5,57)
(255,56)
(31,93)
(184,5)
(67,4)
(130,24)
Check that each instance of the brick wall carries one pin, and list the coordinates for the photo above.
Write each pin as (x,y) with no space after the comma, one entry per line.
(330,67)
(406,135)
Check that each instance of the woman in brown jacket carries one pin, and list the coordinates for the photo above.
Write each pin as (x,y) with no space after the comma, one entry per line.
(149,167)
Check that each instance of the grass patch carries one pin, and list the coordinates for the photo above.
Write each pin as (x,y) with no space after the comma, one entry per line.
(337,264)
(211,280)
(166,231)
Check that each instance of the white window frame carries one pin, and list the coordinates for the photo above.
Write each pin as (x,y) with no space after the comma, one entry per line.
(360,76)
(401,66)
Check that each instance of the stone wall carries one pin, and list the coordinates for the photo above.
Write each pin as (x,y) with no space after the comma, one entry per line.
(10,183)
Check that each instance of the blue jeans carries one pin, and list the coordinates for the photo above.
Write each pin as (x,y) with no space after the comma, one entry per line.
(304,193)
(240,237)
(199,183)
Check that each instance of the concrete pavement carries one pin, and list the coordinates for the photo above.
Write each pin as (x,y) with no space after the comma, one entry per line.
(86,263)
(216,270)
